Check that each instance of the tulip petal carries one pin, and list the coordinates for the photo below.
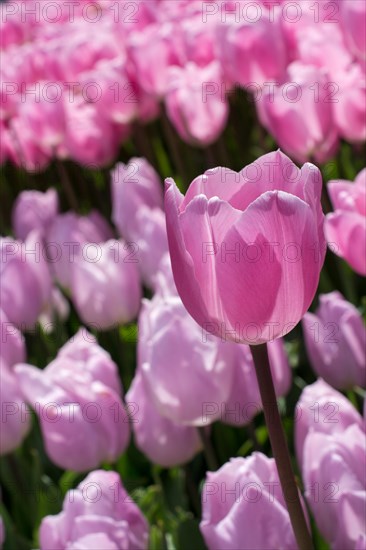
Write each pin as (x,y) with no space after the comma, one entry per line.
(347,230)
(277,282)
(182,264)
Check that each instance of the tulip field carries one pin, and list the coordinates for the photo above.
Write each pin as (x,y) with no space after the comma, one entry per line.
(182,275)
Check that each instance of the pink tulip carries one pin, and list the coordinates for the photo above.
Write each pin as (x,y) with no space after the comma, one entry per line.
(12,349)
(15,420)
(252,52)
(335,338)
(194,102)
(163,441)
(57,309)
(25,280)
(281,111)
(247,248)
(90,138)
(98,515)
(69,235)
(345,228)
(15,416)
(353,22)
(151,240)
(243,507)
(244,401)
(350,110)
(77,398)
(34,210)
(323,410)
(334,473)
(133,185)
(183,368)
(105,284)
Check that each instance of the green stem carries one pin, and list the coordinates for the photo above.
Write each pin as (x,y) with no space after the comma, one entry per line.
(279,447)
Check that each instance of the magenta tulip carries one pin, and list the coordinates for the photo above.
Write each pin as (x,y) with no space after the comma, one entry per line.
(77,398)
(247,248)
(163,441)
(243,507)
(98,515)
(353,22)
(34,210)
(335,338)
(322,409)
(345,228)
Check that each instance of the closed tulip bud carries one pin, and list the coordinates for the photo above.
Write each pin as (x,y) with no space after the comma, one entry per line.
(194,102)
(68,236)
(244,401)
(105,285)
(335,338)
(334,474)
(25,279)
(247,248)
(184,368)
(163,441)
(322,409)
(78,400)
(34,210)
(281,112)
(238,500)
(345,229)
(133,185)
(99,513)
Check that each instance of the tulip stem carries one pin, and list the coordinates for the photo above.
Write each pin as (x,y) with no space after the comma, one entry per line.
(208,449)
(279,447)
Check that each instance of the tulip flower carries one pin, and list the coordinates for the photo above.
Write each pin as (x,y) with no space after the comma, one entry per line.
(281,111)
(69,235)
(15,418)
(12,349)
(352,19)
(240,499)
(244,401)
(194,102)
(345,228)
(252,52)
(77,398)
(25,279)
(133,185)
(335,338)
(334,473)
(34,210)
(183,368)
(323,410)
(98,514)
(105,285)
(162,440)
(247,248)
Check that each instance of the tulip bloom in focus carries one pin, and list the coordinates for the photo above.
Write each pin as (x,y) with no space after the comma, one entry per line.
(247,248)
